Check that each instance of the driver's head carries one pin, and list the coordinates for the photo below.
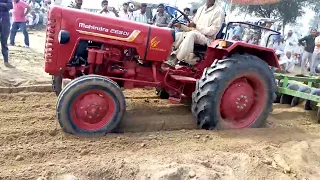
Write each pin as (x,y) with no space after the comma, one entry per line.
(161,8)
(314,32)
(186,11)
(143,8)
(290,32)
(210,2)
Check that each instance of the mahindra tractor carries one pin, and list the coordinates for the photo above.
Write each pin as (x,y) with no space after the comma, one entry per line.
(231,86)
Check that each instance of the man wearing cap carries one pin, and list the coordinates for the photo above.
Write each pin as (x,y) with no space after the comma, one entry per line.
(5,6)
(203,30)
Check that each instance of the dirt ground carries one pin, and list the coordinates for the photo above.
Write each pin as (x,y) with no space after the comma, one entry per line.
(159,141)
(28,63)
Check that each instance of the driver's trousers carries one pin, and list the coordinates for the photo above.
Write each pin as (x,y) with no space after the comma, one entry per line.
(185,41)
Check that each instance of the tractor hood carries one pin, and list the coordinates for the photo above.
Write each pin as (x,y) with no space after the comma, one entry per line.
(151,42)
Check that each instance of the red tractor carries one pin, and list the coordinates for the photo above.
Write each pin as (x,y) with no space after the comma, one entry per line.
(231,87)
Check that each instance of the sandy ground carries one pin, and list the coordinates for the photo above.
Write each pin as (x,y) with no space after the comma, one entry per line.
(32,145)
(28,63)
(159,141)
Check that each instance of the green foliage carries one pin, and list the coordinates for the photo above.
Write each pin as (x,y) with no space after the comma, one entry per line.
(286,10)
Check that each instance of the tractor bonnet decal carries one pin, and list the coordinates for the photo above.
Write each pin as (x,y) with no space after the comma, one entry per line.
(103,29)
(154,45)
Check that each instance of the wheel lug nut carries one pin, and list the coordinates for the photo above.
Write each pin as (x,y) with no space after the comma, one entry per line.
(237,103)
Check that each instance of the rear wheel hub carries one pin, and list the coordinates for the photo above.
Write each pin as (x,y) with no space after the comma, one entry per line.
(237,100)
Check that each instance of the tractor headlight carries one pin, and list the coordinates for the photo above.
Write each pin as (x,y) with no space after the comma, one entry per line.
(63,37)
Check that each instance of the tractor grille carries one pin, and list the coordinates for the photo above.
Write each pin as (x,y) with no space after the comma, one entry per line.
(50,35)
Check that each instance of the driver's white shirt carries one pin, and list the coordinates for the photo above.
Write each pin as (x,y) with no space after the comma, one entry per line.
(209,20)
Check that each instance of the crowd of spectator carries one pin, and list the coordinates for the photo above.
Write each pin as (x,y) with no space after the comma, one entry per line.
(291,49)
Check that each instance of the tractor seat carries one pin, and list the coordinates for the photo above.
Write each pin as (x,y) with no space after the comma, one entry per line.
(200,48)
(220,35)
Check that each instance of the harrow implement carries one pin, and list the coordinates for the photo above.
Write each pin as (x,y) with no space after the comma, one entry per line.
(293,90)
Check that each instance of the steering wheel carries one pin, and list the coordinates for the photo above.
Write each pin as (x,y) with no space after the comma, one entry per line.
(176,15)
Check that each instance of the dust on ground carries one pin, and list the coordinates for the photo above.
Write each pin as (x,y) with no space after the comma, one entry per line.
(28,63)
(33,146)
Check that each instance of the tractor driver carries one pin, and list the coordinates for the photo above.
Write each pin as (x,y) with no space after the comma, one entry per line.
(203,30)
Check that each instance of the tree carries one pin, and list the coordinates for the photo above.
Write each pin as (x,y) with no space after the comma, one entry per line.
(286,10)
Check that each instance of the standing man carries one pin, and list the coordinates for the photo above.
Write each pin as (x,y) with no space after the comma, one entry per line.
(75,4)
(316,56)
(20,21)
(141,16)
(203,30)
(5,6)
(106,12)
(238,33)
(291,42)
(125,14)
(309,44)
(161,19)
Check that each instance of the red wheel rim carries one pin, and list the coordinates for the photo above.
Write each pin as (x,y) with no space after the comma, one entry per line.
(92,110)
(243,101)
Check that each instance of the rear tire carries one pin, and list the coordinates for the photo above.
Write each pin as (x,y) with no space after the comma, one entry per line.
(90,105)
(234,93)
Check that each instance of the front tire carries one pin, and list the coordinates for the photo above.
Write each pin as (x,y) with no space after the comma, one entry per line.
(56,83)
(90,105)
(234,93)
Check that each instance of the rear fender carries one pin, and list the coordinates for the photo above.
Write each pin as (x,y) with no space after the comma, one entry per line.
(236,47)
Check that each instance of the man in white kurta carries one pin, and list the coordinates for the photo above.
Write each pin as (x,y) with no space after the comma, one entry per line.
(291,42)
(316,56)
(203,30)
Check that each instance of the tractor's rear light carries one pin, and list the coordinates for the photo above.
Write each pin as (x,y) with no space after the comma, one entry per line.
(50,36)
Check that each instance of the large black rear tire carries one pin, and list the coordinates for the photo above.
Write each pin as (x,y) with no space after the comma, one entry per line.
(236,92)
